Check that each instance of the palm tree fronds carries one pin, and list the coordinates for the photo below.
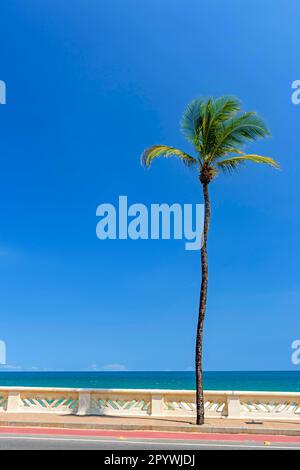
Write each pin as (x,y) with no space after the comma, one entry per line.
(165,151)
(224,108)
(239,130)
(235,150)
(231,164)
(217,113)
(201,115)
(191,121)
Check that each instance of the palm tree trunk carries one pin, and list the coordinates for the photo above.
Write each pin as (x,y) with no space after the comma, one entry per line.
(202,310)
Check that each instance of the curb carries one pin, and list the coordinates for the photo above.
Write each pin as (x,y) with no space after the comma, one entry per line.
(168,428)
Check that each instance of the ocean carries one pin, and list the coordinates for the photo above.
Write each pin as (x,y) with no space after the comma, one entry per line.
(256,381)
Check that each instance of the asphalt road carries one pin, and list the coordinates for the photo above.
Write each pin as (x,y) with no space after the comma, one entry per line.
(34,442)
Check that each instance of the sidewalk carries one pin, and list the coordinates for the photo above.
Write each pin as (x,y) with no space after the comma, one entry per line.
(217,426)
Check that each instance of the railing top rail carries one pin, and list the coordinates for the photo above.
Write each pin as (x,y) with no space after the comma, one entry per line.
(149,391)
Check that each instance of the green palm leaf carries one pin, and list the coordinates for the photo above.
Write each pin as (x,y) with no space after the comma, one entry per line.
(217,113)
(224,108)
(237,131)
(191,122)
(231,164)
(165,151)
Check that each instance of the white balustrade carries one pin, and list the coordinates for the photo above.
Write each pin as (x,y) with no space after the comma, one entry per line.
(150,403)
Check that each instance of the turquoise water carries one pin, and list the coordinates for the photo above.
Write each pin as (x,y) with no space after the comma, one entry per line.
(258,381)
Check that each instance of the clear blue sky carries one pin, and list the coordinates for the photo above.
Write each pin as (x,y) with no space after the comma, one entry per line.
(90,84)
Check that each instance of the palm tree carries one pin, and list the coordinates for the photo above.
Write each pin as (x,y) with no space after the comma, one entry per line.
(218,130)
